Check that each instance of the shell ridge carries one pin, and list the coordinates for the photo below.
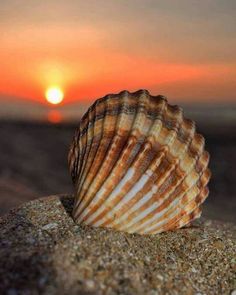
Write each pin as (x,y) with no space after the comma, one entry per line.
(101,150)
(93,147)
(142,183)
(107,101)
(179,181)
(116,196)
(135,158)
(73,157)
(114,140)
(173,203)
(184,210)
(82,151)
(137,143)
(82,128)
(184,176)
(168,203)
(138,201)
(167,143)
(169,139)
(147,185)
(78,187)
(176,217)
(91,120)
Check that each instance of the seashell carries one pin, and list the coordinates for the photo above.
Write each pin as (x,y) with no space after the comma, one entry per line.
(138,165)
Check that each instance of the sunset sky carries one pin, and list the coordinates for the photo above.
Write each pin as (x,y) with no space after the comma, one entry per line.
(184,49)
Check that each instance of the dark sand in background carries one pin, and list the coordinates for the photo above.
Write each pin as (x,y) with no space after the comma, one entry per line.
(33,163)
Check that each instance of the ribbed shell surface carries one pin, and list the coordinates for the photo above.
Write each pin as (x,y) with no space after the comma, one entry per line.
(138,165)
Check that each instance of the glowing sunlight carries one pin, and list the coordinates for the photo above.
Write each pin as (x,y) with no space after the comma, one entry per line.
(54,95)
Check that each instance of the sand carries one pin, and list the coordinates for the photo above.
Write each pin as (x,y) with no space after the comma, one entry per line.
(42,251)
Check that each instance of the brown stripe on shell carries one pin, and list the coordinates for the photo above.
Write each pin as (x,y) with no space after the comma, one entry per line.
(192,211)
(134,144)
(189,203)
(106,159)
(100,144)
(162,176)
(150,202)
(127,187)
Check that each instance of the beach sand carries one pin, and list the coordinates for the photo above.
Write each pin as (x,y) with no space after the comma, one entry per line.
(42,251)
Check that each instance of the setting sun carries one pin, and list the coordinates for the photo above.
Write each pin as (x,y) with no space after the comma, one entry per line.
(54,95)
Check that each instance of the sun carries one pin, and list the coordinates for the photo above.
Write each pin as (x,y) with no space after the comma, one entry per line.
(54,95)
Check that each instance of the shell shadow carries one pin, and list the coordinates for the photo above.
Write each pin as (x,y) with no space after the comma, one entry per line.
(67,202)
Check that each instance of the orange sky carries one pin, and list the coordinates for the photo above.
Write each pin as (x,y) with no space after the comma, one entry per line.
(185,49)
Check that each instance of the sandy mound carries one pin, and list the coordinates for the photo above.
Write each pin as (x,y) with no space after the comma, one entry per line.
(42,251)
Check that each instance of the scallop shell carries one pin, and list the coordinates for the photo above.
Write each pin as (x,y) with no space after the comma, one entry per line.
(138,165)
